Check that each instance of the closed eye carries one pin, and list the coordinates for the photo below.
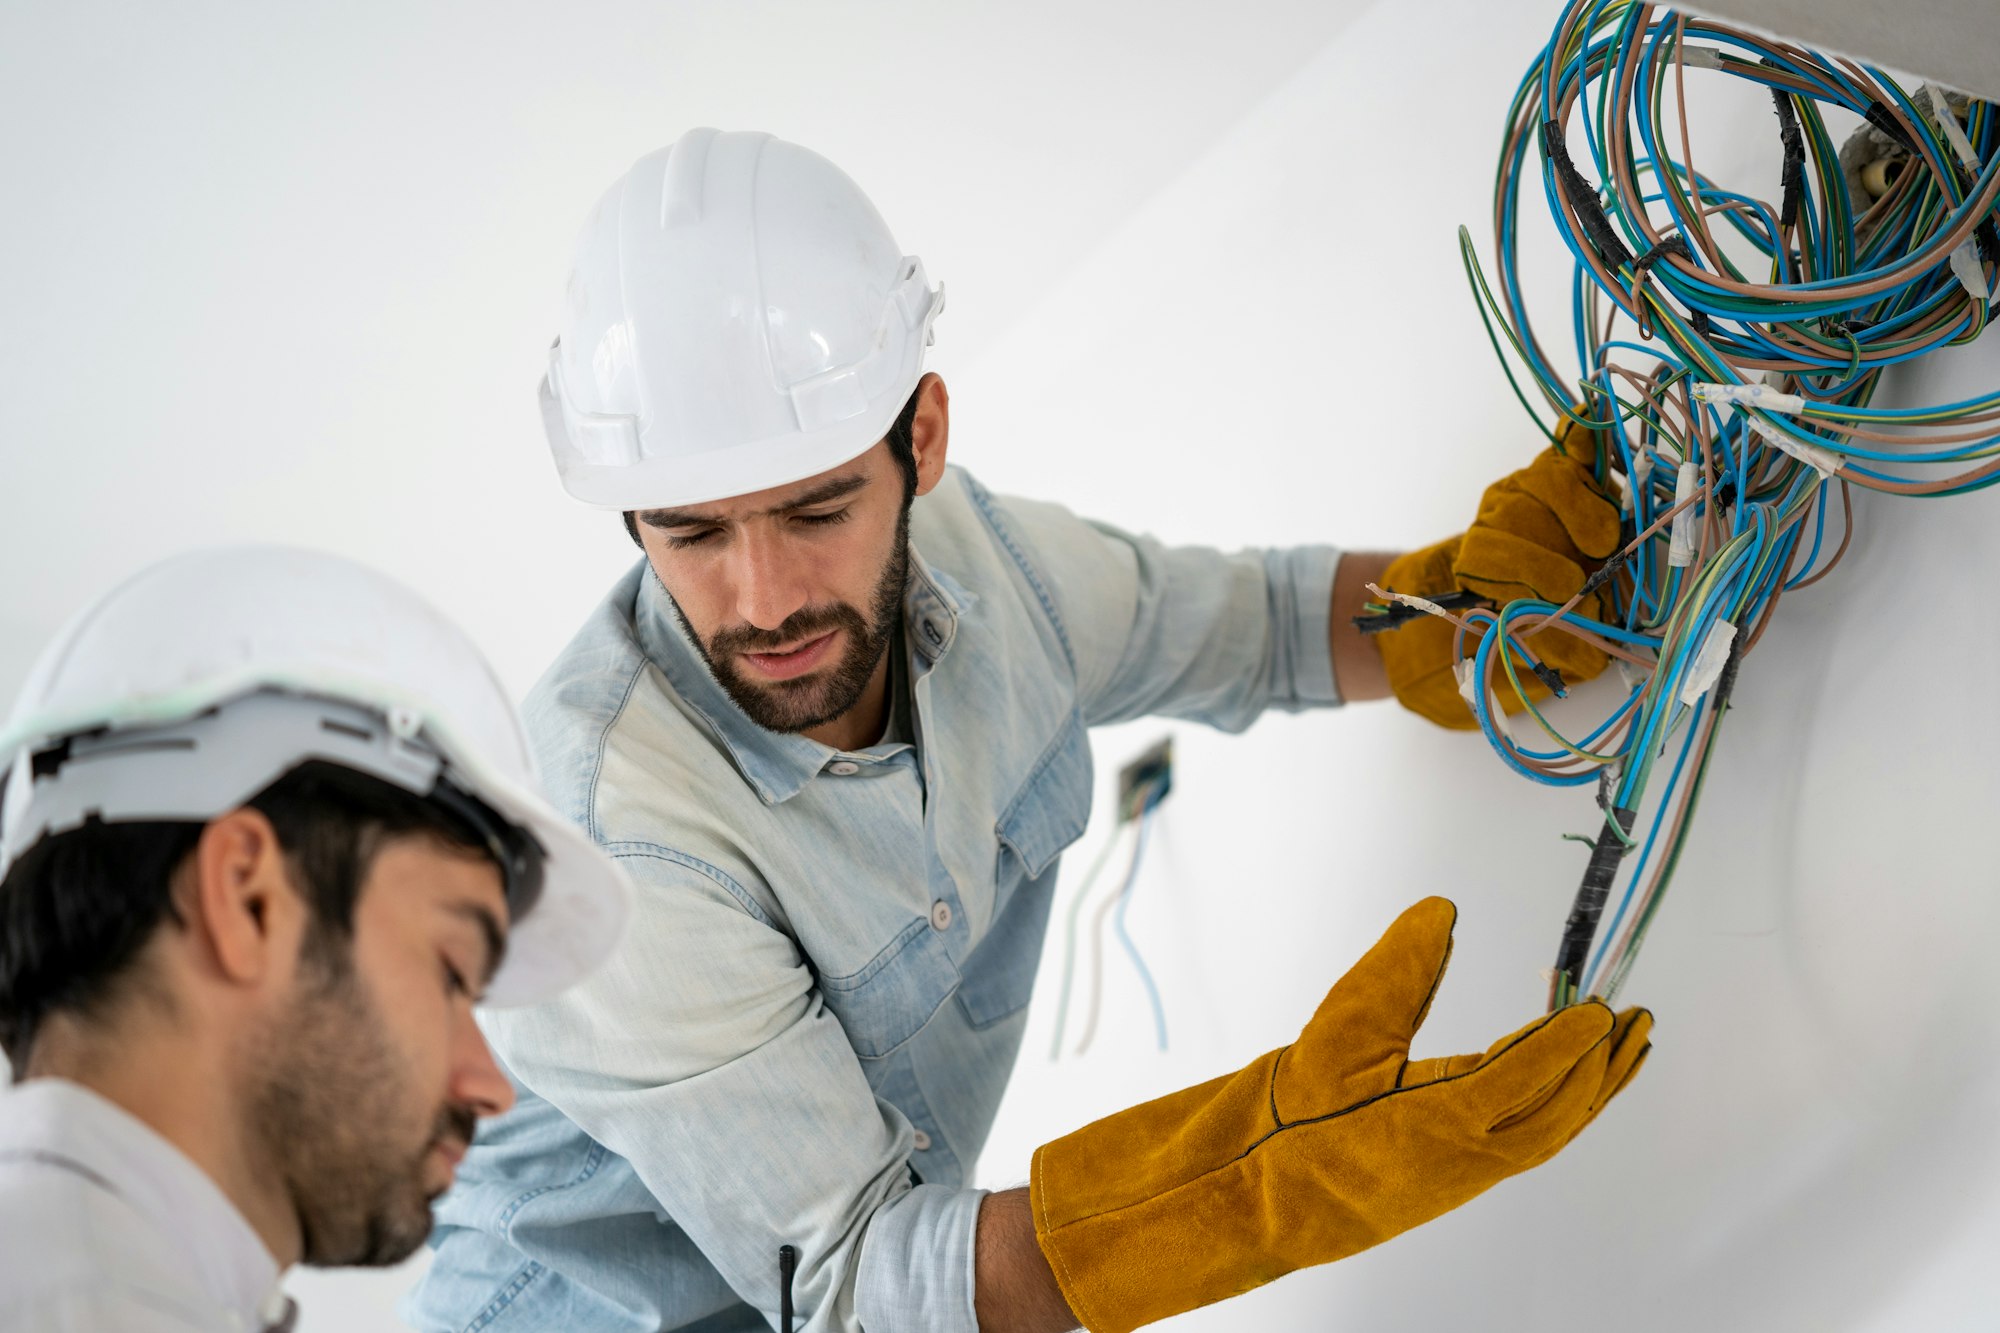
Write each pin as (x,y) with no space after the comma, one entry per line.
(693,539)
(456,985)
(823,520)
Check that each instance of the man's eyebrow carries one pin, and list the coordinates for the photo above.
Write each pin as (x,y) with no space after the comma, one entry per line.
(818,495)
(489,927)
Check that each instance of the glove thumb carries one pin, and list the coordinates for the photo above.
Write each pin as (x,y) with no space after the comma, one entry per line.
(1355,1045)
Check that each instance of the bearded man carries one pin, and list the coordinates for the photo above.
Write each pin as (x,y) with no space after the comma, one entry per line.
(268,830)
(835,723)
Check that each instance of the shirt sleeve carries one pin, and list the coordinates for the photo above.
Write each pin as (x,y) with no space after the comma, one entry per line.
(1184,631)
(109,1309)
(702,1053)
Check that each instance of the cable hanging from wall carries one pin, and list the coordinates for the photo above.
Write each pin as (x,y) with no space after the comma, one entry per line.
(1728,350)
(1142,785)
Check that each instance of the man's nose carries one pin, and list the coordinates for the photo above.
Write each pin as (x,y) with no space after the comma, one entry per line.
(770,583)
(476,1079)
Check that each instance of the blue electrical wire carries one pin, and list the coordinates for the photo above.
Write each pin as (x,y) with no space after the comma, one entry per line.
(1855,287)
(1131,949)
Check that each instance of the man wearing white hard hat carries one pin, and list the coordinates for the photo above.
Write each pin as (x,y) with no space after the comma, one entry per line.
(269,831)
(835,724)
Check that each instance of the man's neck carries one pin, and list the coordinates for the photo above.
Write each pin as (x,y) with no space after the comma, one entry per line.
(189,1099)
(863,724)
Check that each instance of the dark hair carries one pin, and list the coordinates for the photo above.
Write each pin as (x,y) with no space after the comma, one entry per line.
(902,448)
(77,907)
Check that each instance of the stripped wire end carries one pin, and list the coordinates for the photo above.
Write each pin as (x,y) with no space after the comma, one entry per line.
(1394,610)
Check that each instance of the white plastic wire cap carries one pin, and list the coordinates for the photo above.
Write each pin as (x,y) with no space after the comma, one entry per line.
(197,683)
(738,317)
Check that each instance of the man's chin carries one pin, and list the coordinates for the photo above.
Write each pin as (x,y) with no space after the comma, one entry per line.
(786,706)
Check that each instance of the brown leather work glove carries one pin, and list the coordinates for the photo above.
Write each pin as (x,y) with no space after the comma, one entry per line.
(1320,1149)
(1539,533)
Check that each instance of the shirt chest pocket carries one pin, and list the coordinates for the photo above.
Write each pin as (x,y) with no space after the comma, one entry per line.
(885,1003)
(1047,814)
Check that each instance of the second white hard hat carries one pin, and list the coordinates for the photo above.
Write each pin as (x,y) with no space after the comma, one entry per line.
(193,686)
(738,317)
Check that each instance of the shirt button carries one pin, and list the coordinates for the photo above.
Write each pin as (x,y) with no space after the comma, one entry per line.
(940,915)
(843,768)
(922,1141)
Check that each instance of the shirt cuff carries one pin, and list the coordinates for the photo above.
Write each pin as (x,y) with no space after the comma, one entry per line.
(916,1263)
(1301,583)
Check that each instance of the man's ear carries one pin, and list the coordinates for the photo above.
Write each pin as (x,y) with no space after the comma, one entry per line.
(930,431)
(238,902)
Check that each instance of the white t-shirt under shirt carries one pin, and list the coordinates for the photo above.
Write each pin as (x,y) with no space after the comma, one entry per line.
(105,1227)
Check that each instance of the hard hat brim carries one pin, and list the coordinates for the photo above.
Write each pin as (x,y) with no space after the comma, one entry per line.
(585,903)
(723,474)
(585,900)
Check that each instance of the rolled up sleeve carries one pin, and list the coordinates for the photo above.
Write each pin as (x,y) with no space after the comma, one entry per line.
(1184,631)
(703,1054)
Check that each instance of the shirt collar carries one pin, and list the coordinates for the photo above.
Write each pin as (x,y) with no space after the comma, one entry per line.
(162,1184)
(776,765)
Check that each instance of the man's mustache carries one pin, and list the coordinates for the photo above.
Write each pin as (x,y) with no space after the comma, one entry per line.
(456,1124)
(806,622)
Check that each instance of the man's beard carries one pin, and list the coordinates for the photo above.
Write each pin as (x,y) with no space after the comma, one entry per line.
(327,1110)
(821,696)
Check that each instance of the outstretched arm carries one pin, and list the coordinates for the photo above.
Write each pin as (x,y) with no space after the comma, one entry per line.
(1357,663)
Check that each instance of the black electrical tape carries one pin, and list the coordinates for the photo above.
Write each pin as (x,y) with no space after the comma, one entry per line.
(1552,678)
(1698,320)
(1605,572)
(1581,928)
(1675,244)
(1726,682)
(1582,197)
(1793,174)
(1725,494)
(1879,116)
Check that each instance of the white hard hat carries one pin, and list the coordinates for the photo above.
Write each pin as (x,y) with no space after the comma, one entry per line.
(193,686)
(738,317)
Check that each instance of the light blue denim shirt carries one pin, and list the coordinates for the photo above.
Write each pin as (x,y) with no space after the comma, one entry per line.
(804,1036)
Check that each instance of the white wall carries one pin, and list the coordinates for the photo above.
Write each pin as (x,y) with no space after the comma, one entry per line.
(282,272)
